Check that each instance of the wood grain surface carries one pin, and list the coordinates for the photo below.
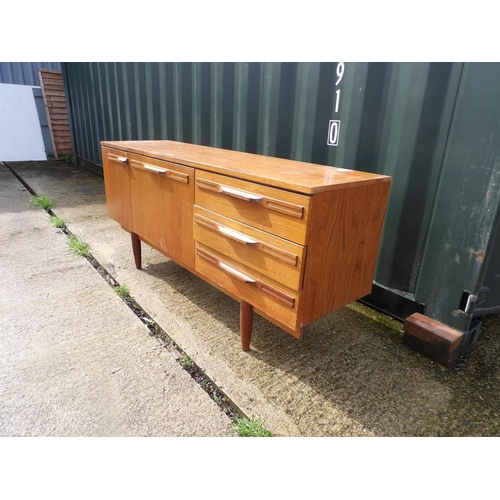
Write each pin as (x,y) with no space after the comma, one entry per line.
(117,187)
(163,206)
(291,241)
(302,177)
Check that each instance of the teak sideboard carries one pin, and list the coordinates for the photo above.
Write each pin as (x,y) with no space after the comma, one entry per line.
(289,240)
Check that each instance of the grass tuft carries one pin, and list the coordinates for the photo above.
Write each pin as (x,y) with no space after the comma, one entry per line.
(58,222)
(41,201)
(246,427)
(186,361)
(66,157)
(78,247)
(123,291)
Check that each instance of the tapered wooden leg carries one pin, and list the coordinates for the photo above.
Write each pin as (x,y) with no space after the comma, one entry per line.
(246,320)
(136,248)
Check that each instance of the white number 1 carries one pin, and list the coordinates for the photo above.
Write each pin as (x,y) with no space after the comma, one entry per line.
(340,74)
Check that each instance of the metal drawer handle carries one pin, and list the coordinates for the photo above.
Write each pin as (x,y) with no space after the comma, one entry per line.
(235,235)
(242,195)
(277,205)
(236,273)
(155,169)
(171,174)
(282,297)
(226,231)
(118,159)
(286,257)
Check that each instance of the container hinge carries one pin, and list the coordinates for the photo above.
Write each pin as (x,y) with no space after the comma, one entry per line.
(469,301)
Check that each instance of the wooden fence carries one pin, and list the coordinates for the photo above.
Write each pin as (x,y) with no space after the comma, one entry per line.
(54,99)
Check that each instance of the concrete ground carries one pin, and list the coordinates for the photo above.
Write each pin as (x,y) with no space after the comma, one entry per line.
(76,361)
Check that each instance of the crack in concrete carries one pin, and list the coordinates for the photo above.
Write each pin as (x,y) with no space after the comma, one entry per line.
(197,374)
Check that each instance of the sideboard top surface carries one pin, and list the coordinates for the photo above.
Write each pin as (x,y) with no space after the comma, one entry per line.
(307,178)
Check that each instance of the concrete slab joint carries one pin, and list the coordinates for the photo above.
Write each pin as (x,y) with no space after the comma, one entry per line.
(432,338)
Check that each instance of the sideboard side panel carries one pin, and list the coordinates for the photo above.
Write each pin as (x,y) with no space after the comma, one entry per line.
(344,239)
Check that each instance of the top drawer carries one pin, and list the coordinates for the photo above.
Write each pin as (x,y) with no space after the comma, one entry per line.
(276,211)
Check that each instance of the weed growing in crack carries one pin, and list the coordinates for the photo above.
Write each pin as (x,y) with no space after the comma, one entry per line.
(78,247)
(123,291)
(41,201)
(66,157)
(246,427)
(186,361)
(58,222)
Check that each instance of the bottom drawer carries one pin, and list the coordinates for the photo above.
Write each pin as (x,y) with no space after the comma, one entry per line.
(269,297)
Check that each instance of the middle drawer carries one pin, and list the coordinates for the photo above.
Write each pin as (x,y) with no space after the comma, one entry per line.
(274,257)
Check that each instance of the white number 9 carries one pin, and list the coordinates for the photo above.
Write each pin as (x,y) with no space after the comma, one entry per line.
(340,72)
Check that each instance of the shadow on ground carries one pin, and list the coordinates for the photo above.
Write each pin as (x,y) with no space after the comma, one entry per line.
(351,359)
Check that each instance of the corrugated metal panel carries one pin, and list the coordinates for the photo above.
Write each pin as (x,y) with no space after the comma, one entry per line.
(393,117)
(265,108)
(399,119)
(463,228)
(24,73)
(489,296)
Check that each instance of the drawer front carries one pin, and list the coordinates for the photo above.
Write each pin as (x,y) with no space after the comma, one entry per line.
(266,295)
(275,211)
(117,186)
(162,196)
(276,258)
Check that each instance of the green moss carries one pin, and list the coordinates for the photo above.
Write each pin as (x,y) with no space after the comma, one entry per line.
(379,317)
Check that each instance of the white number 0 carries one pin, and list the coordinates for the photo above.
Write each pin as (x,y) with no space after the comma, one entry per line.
(333,133)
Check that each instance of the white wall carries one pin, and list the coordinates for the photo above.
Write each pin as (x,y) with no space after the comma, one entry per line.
(20,132)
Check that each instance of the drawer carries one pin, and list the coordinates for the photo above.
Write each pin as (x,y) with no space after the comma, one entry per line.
(278,259)
(266,295)
(275,211)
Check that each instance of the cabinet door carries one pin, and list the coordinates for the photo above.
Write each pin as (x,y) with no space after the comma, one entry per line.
(162,201)
(117,186)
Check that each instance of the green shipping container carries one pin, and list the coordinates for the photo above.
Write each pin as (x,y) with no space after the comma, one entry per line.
(433,127)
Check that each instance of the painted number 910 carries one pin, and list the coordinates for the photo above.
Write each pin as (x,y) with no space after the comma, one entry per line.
(334,125)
